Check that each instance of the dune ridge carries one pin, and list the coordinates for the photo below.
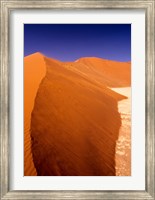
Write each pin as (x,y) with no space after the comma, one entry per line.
(73,117)
(34,71)
(111,73)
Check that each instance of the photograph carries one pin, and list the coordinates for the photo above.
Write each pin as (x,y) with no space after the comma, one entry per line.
(77,99)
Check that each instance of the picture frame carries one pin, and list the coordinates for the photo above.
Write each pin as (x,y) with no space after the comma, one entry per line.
(6,7)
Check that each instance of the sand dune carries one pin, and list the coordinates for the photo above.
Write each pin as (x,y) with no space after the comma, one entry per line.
(73,115)
(34,71)
(111,73)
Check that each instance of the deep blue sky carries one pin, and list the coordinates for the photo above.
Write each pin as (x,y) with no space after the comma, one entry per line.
(68,42)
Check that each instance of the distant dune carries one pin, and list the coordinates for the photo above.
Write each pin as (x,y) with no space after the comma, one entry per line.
(111,73)
(71,116)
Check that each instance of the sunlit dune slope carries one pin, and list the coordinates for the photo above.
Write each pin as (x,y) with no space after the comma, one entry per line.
(111,73)
(75,121)
(34,71)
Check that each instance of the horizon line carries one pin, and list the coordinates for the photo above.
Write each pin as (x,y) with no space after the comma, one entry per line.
(38,52)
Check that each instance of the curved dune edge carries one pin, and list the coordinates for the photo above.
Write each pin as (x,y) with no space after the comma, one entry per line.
(34,71)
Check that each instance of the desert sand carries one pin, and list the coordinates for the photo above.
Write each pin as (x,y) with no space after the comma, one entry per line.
(72,117)
(34,71)
(111,73)
(123,144)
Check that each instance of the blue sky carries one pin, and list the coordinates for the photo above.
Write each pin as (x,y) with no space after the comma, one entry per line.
(68,42)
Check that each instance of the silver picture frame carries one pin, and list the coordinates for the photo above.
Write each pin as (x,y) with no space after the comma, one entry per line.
(149,7)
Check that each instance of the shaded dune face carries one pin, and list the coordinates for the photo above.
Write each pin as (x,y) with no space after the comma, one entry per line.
(34,71)
(75,121)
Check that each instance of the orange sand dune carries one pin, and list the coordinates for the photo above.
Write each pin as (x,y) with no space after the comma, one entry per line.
(34,71)
(111,73)
(72,114)
(74,125)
